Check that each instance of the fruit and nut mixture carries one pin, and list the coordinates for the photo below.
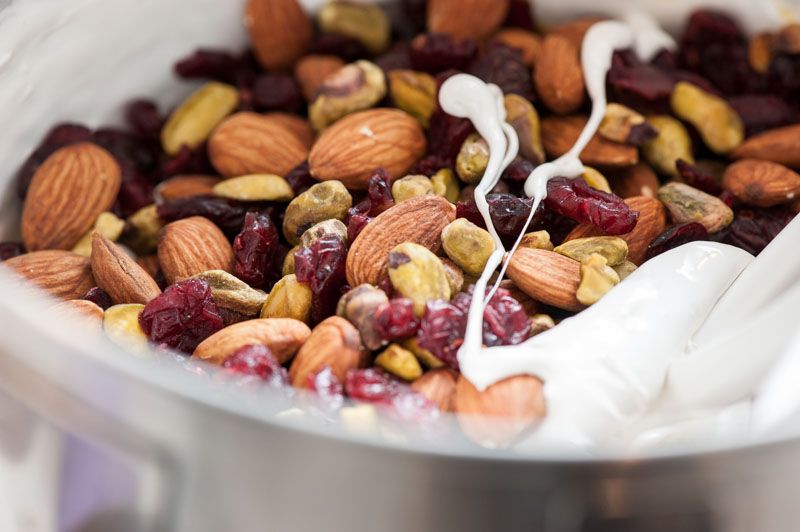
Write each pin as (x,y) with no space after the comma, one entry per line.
(306,216)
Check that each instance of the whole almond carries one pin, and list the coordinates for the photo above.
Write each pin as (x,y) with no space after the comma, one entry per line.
(191,246)
(761,183)
(559,76)
(355,145)
(80,308)
(283,336)
(781,145)
(559,134)
(419,220)
(503,413)
(439,386)
(546,276)
(249,143)
(120,275)
(61,274)
(186,186)
(312,70)
(67,194)
(297,125)
(477,19)
(280,31)
(637,180)
(335,343)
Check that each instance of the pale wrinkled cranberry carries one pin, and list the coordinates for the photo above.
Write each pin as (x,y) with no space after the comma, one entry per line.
(676,236)
(322,267)
(99,297)
(327,387)
(441,331)
(256,360)
(10,249)
(584,204)
(255,250)
(395,320)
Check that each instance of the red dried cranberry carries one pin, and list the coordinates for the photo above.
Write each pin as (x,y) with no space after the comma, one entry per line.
(784,74)
(520,15)
(469,209)
(219,65)
(144,118)
(140,152)
(256,360)
(676,236)
(10,249)
(441,331)
(379,192)
(99,297)
(182,316)
(356,224)
(135,192)
(415,12)
(760,112)
(395,320)
(503,66)
(322,267)
(584,204)
(446,134)
(375,386)
(342,46)
(277,92)
(255,249)
(638,84)
(327,387)
(188,161)
(509,214)
(519,170)
(505,321)
(435,52)
(397,58)
(299,178)
(59,136)
(753,229)
(429,165)
(727,197)
(697,177)
(227,214)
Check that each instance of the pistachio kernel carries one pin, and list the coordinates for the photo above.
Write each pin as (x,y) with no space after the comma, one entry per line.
(688,204)
(326,227)
(595,179)
(288,261)
(454,274)
(255,187)
(399,362)
(289,298)
(541,323)
(231,293)
(366,23)
(718,123)
(472,159)
(354,87)
(597,279)
(613,248)
(522,116)
(411,186)
(467,245)
(146,226)
(193,121)
(323,201)
(418,274)
(624,269)
(413,92)
(537,240)
(672,143)
(358,306)
(446,184)
(428,359)
(121,325)
(623,124)
(108,225)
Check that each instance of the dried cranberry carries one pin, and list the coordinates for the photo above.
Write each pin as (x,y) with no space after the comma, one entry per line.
(584,204)
(441,331)
(299,178)
(697,177)
(126,147)
(256,360)
(187,161)
(135,192)
(676,236)
(446,134)
(753,229)
(760,112)
(99,297)
(219,65)
(784,74)
(379,192)
(502,65)
(144,118)
(59,136)
(727,197)
(327,387)
(469,209)
(519,170)
(435,52)
(227,214)
(395,320)
(429,165)
(520,15)
(277,92)
(505,321)
(375,386)
(415,12)
(10,249)
(355,224)
(638,84)
(182,316)
(342,46)
(322,267)
(255,250)
(397,58)
(509,215)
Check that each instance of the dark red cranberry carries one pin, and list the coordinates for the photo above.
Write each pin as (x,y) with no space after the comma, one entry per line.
(697,177)
(10,249)
(441,331)
(379,192)
(519,170)
(435,52)
(99,297)
(727,197)
(227,214)
(760,112)
(322,267)
(395,320)
(641,133)
(784,74)
(469,209)
(753,229)
(429,165)
(584,204)
(356,224)
(144,118)
(59,136)
(277,92)
(299,178)
(397,58)
(375,386)
(182,316)
(327,387)
(140,152)
(505,321)
(135,192)
(256,360)
(255,250)
(415,13)
(676,236)
(188,161)
(509,215)
(638,84)
(219,65)
(520,15)
(503,66)
(342,46)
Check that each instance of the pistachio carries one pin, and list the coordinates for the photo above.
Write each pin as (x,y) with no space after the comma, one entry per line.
(613,248)
(121,325)
(255,187)
(428,359)
(108,225)
(522,116)
(365,23)
(352,88)
(289,298)
(288,261)
(541,323)
(718,123)
(323,201)
(595,179)
(454,275)
(358,306)
(688,204)
(671,144)
(231,293)
(413,92)
(146,226)
(623,124)
(418,274)
(194,120)
(399,362)
(467,245)
(624,269)
(597,278)
(446,185)
(326,227)
(411,186)
(537,240)
(472,159)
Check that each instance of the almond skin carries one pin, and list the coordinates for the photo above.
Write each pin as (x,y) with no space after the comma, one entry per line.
(67,194)
(191,246)
(298,126)
(61,274)
(312,70)
(503,413)
(354,146)
(781,145)
(559,134)
(419,220)
(120,275)
(638,180)
(439,386)
(559,75)
(80,308)
(283,336)
(249,143)
(336,343)
(186,186)
(546,276)
(477,19)
(280,31)
(761,183)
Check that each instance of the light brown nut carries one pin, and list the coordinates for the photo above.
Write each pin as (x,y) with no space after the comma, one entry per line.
(637,180)
(525,41)
(595,179)
(146,226)
(86,312)
(367,24)
(119,275)
(67,194)
(623,124)
(323,201)
(62,274)
(121,325)
(477,19)
(334,343)
(149,263)
(472,159)
(255,187)
(780,145)
(428,359)
(399,362)
(559,134)
(537,240)
(289,298)
(672,143)
(231,293)
(352,88)
(249,143)
(283,336)
(190,246)
(455,275)
(759,52)
(288,261)
(546,276)
(353,147)
(761,183)
(194,119)
(625,269)
(312,70)
(558,75)
(326,227)
(413,92)
(419,220)
(503,413)
(597,279)
(719,125)
(359,306)
(522,116)
(411,186)
(688,204)
(467,245)
(186,186)
(439,387)
(418,274)
(612,248)
(446,185)
(280,31)
(108,225)
(297,125)
(541,323)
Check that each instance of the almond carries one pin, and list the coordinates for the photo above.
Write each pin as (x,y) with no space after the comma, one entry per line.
(186,186)
(559,134)
(149,263)
(419,220)
(503,413)
(335,343)
(781,145)
(476,19)
(652,222)
(191,246)
(61,274)
(67,194)
(637,180)
(297,125)
(283,336)
(120,275)
(249,143)
(546,276)
(280,31)
(761,183)
(312,70)
(525,41)
(559,76)
(355,145)
(439,386)
(80,308)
